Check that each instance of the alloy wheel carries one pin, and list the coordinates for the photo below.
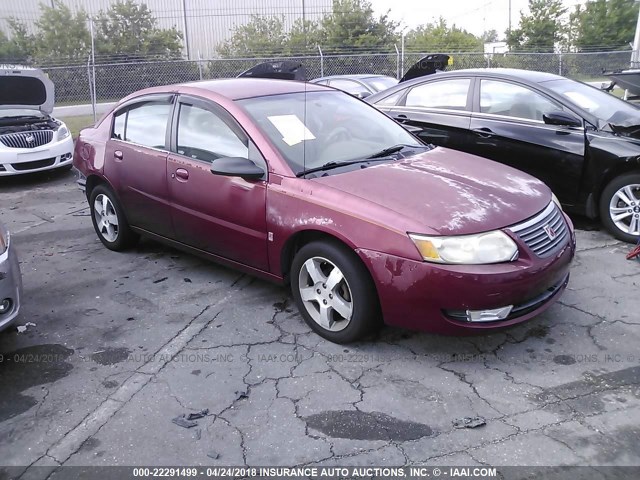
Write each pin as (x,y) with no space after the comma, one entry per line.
(325,294)
(106,218)
(624,209)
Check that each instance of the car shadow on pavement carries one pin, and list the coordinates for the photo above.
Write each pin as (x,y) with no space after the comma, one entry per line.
(28,180)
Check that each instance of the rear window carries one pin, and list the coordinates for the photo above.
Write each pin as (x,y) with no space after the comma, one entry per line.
(17,90)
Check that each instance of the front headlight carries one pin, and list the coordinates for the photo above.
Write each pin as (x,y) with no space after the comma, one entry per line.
(483,248)
(556,201)
(4,242)
(63,132)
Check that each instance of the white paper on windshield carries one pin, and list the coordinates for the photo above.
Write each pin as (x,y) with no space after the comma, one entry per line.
(582,100)
(292,129)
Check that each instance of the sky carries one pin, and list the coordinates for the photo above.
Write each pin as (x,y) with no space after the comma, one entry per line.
(476,16)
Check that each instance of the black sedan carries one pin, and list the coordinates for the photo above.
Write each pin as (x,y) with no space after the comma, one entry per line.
(360,86)
(583,142)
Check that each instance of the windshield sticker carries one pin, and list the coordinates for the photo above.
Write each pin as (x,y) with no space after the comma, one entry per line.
(292,129)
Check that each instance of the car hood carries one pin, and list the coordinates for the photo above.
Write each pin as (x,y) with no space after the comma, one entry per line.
(24,87)
(448,192)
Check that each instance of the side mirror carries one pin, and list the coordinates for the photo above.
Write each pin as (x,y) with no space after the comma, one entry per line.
(559,117)
(362,95)
(237,167)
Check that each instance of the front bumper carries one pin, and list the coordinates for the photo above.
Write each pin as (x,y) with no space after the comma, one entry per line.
(16,161)
(433,297)
(10,285)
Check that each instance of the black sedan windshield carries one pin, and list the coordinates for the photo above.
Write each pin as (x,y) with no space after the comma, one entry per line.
(604,106)
(315,128)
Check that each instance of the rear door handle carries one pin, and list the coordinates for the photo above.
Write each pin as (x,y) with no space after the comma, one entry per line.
(118,154)
(484,132)
(401,118)
(182,174)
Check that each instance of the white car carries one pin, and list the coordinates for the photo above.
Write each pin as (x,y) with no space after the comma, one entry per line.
(31,140)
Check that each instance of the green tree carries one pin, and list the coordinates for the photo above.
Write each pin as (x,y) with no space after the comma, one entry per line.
(352,25)
(490,36)
(541,29)
(268,37)
(603,24)
(439,37)
(129,28)
(21,46)
(61,33)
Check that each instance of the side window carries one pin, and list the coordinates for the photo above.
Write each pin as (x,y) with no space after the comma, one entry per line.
(449,94)
(147,124)
(511,100)
(144,123)
(354,88)
(119,123)
(392,100)
(203,135)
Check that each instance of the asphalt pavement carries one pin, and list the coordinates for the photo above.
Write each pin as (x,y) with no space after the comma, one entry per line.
(124,343)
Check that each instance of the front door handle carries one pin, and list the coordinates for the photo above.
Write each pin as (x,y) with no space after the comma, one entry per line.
(182,174)
(118,154)
(484,132)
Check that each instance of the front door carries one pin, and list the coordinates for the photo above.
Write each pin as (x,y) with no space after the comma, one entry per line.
(509,128)
(222,215)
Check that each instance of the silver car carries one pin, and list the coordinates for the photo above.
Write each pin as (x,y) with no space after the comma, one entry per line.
(10,280)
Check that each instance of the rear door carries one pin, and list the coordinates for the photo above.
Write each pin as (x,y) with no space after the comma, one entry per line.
(136,162)
(225,216)
(441,109)
(508,127)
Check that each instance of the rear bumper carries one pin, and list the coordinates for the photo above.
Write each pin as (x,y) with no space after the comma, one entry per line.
(17,161)
(10,285)
(436,298)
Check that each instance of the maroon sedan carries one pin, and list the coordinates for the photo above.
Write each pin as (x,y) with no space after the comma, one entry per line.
(306,185)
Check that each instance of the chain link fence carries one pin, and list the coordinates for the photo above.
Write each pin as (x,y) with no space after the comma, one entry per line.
(75,83)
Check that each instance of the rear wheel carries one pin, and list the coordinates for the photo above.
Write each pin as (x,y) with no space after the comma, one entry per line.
(620,207)
(109,220)
(334,292)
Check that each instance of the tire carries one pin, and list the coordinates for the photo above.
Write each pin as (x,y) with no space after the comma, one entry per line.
(615,201)
(109,220)
(350,308)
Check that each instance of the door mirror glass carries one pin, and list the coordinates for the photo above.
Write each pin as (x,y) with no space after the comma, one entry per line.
(559,117)
(237,167)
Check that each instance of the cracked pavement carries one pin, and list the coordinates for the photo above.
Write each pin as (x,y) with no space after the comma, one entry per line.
(125,342)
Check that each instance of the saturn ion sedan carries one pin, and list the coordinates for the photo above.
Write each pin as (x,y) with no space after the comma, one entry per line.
(306,185)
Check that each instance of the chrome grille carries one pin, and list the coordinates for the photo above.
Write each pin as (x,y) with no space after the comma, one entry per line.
(29,139)
(545,233)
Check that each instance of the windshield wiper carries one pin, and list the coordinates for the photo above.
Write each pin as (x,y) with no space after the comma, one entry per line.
(382,155)
(332,165)
(396,148)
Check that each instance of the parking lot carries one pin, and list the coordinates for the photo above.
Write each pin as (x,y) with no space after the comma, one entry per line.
(124,343)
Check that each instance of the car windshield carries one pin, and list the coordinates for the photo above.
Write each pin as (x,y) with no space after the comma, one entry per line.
(315,128)
(604,106)
(380,83)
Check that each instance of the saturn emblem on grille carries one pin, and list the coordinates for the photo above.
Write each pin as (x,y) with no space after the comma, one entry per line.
(30,139)
(551,233)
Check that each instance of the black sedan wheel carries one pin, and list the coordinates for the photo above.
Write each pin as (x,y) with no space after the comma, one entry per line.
(620,207)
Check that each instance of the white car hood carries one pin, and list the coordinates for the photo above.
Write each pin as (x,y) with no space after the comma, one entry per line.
(25,87)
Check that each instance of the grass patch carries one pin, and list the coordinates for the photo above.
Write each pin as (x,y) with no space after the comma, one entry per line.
(75,124)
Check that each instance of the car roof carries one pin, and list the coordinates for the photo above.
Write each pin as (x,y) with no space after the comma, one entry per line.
(356,76)
(239,88)
(528,76)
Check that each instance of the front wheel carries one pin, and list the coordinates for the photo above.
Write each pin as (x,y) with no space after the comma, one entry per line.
(109,220)
(334,292)
(620,207)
